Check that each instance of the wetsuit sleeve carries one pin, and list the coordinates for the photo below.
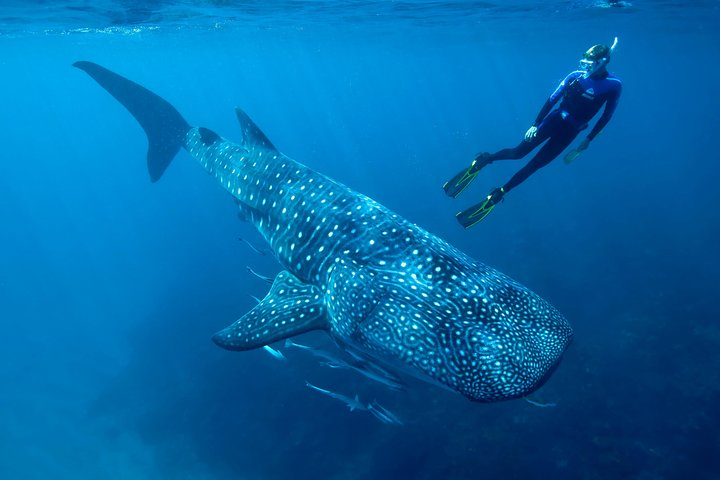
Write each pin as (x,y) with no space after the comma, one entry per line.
(610,107)
(554,97)
(544,111)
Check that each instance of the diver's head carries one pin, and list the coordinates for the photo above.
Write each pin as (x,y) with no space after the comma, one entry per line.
(594,61)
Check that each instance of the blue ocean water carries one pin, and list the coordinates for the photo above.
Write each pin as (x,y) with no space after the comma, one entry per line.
(111,287)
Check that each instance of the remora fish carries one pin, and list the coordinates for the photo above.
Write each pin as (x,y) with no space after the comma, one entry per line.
(352,403)
(373,372)
(275,353)
(378,411)
(374,281)
(383,414)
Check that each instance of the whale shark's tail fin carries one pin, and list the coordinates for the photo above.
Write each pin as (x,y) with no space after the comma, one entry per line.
(163,125)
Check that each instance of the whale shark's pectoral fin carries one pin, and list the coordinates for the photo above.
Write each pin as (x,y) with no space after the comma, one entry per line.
(251,133)
(290,308)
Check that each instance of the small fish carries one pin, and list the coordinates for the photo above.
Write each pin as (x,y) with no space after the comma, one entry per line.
(352,403)
(338,365)
(275,353)
(331,360)
(261,251)
(261,277)
(254,298)
(373,372)
(378,374)
(383,414)
(541,405)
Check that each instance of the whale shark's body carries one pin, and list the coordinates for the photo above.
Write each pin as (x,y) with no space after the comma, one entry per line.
(381,286)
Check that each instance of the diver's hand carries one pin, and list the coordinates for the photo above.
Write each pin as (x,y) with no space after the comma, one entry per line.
(530,134)
(575,152)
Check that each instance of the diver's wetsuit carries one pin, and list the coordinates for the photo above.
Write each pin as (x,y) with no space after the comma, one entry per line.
(582,98)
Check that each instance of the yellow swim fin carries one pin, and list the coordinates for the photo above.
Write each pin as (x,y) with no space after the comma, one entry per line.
(572,155)
(459,182)
(476,213)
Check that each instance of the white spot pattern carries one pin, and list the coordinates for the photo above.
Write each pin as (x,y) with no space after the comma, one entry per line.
(389,288)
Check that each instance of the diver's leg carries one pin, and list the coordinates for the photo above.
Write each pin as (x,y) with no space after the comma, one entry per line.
(516,153)
(546,128)
(560,137)
(463,178)
(460,181)
(547,154)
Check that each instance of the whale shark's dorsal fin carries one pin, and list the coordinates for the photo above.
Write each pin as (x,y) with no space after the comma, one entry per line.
(251,133)
(290,308)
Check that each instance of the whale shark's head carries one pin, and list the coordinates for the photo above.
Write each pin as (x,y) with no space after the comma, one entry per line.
(457,323)
(511,348)
(490,341)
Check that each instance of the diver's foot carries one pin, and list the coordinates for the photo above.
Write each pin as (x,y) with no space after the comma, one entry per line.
(464,177)
(496,196)
(482,159)
(469,217)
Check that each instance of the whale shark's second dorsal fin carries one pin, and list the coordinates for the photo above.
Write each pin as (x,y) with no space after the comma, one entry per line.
(251,133)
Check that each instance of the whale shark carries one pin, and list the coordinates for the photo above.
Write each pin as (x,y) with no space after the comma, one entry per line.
(381,286)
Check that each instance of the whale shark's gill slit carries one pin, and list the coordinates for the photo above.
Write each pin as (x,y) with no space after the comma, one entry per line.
(163,124)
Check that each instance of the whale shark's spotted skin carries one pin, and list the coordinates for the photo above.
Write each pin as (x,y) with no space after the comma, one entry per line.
(389,288)
(380,285)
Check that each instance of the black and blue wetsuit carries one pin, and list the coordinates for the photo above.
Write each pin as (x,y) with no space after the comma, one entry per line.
(581,98)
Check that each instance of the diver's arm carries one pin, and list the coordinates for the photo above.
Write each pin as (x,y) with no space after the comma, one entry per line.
(554,97)
(532,131)
(549,103)
(544,111)
(610,107)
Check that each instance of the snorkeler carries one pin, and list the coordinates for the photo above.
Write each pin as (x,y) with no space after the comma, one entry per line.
(583,93)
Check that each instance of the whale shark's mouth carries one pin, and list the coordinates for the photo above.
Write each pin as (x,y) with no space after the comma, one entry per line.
(549,372)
